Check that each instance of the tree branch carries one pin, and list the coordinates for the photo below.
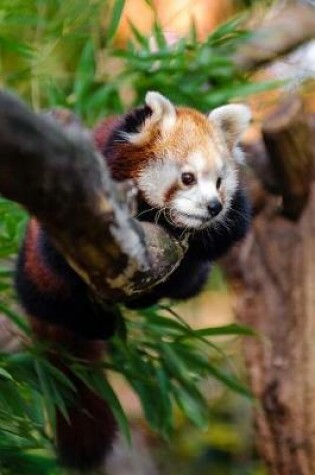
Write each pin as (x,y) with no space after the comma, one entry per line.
(292,26)
(288,141)
(60,178)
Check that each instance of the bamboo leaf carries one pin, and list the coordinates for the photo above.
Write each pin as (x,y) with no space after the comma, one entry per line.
(84,73)
(115,19)
(4,374)
(194,408)
(98,384)
(16,46)
(141,39)
(59,375)
(16,319)
(46,391)
(232,329)
(230,381)
(164,398)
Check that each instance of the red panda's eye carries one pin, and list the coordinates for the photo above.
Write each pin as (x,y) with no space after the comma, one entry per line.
(218,183)
(188,178)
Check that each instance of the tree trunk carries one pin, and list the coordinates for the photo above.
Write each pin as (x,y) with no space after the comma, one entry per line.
(273,276)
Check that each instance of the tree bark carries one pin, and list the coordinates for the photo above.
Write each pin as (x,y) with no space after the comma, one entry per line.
(273,277)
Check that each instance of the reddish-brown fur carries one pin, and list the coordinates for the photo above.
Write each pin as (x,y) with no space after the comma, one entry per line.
(124,159)
(41,275)
(170,193)
(104,129)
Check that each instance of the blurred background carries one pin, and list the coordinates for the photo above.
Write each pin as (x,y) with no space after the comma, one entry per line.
(97,58)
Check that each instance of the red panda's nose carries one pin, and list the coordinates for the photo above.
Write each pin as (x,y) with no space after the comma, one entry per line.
(214,207)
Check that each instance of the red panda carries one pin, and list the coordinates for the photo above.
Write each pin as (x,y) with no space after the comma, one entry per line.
(185,167)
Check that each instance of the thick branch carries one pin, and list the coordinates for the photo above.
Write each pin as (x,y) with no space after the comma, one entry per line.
(289,28)
(63,181)
(288,140)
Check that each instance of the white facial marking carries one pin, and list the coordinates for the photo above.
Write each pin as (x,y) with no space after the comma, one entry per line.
(193,201)
(197,161)
(156,179)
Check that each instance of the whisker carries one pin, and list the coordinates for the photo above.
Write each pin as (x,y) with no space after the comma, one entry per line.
(146,211)
(158,215)
(184,231)
(168,218)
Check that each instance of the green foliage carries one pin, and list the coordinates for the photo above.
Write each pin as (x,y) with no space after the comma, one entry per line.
(59,54)
(25,444)
(164,356)
(226,447)
(201,75)
(50,53)
(12,223)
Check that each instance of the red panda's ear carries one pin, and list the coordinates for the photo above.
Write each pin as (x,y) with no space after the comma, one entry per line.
(162,116)
(233,120)
(163,111)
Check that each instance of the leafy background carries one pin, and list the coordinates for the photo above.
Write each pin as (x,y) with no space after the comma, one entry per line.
(63,54)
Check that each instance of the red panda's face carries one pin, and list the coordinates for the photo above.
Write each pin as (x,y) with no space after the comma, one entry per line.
(191,193)
(185,162)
